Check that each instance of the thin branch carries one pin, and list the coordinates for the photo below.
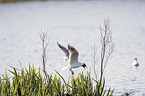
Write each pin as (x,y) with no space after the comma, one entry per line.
(45,42)
(107,47)
(94,52)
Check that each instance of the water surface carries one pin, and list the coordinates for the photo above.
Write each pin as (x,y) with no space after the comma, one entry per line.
(76,23)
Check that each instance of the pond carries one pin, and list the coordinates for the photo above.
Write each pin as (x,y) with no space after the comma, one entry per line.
(77,23)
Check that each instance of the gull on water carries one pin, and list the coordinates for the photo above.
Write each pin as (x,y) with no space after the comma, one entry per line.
(71,56)
(135,63)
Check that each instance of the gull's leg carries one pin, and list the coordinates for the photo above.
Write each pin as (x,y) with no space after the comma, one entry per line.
(71,71)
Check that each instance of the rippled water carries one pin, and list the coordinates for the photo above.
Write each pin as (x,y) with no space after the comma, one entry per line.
(76,23)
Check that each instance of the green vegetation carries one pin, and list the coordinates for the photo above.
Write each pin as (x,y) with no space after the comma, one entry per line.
(31,82)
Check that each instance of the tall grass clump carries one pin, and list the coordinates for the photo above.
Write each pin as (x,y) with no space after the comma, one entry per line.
(32,82)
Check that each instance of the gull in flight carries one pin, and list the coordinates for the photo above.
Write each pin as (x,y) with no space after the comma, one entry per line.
(135,63)
(71,56)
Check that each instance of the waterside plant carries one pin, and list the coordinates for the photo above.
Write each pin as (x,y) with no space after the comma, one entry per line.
(30,82)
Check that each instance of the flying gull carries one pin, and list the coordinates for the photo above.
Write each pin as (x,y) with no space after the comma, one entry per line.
(71,56)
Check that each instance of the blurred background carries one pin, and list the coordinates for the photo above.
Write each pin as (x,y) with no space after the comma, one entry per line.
(77,23)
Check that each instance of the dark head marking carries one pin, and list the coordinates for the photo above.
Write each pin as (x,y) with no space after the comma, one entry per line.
(84,65)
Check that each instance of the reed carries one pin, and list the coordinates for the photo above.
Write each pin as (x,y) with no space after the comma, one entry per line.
(30,82)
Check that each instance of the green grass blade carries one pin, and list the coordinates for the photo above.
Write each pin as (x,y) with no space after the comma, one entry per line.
(63,79)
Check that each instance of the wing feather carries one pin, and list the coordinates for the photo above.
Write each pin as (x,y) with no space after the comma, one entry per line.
(65,50)
(73,55)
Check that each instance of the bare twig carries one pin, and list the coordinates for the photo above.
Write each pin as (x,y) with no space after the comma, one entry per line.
(94,52)
(107,43)
(45,42)
(106,50)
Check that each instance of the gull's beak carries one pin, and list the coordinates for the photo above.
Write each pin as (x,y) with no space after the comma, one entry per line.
(86,68)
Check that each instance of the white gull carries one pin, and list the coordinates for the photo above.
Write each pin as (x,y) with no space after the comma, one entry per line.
(71,56)
(135,63)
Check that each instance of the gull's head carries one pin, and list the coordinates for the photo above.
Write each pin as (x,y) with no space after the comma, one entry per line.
(135,59)
(84,65)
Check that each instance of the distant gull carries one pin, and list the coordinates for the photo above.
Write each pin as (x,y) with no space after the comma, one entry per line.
(71,56)
(135,63)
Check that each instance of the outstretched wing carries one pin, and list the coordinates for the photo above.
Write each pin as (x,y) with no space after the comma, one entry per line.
(73,54)
(65,50)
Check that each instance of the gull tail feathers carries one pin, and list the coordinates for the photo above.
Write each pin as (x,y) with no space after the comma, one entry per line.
(64,68)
